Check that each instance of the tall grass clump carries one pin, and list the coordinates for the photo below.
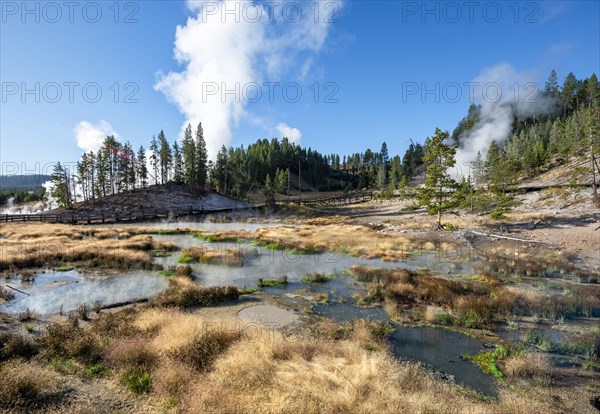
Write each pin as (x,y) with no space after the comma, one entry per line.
(182,292)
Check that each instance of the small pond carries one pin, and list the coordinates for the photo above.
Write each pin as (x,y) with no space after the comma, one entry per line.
(52,291)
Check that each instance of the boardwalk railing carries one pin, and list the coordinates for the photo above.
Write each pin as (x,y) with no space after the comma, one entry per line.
(87,217)
(350,198)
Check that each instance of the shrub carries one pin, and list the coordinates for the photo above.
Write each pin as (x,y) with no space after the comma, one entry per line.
(97,306)
(280,282)
(184,271)
(6,294)
(533,366)
(68,341)
(444,318)
(587,344)
(130,354)
(22,383)
(138,381)
(317,277)
(184,293)
(538,338)
(83,311)
(205,347)
(475,311)
(13,345)
(26,316)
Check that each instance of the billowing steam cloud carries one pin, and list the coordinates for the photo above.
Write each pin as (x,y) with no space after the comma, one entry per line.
(225,46)
(503,94)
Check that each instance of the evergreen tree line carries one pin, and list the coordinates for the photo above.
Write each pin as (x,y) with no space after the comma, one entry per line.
(19,196)
(117,168)
(571,128)
(276,165)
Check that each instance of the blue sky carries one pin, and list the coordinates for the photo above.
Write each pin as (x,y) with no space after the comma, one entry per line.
(367,56)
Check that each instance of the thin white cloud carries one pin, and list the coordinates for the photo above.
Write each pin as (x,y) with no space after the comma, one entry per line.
(286,131)
(221,51)
(544,12)
(561,47)
(89,136)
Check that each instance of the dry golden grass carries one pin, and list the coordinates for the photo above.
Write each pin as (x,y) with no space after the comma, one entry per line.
(290,375)
(24,383)
(532,366)
(33,245)
(353,240)
(205,254)
(211,364)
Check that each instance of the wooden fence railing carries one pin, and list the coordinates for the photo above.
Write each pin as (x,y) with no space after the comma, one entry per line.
(77,217)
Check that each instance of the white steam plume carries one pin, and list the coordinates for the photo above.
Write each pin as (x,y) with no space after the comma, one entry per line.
(503,94)
(230,49)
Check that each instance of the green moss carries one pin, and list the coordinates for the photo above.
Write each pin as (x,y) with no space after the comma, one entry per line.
(166,273)
(281,282)
(317,277)
(184,258)
(211,238)
(65,268)
(247,291)
(487,360)
(160,253)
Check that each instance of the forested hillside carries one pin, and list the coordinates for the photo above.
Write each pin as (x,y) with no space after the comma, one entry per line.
(569,128)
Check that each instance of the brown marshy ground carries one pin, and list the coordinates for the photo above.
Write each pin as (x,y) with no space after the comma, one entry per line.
(24,246)
(157,359)
(171,355)
(227,257)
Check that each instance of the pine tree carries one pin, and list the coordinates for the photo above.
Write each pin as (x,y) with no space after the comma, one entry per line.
(439,186)
(61,186)
(592,92)
(189,157)
(478,170)
(395,171)
(551,87)
(154,159)
(281,180)
(177,163)
(102,174)
(220,170)
(201,158)
(142,169)
(165,157)
(269,192)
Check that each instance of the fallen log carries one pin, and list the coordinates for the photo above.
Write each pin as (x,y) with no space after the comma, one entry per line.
(20,291)
(497,236)
(129,302)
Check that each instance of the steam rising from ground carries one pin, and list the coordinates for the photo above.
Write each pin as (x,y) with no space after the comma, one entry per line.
(519,96)
(32,208)
(219,50)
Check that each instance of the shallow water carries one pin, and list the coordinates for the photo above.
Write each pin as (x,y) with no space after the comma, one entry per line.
(441,349)
(260,262)
(52,291)
(200,225)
